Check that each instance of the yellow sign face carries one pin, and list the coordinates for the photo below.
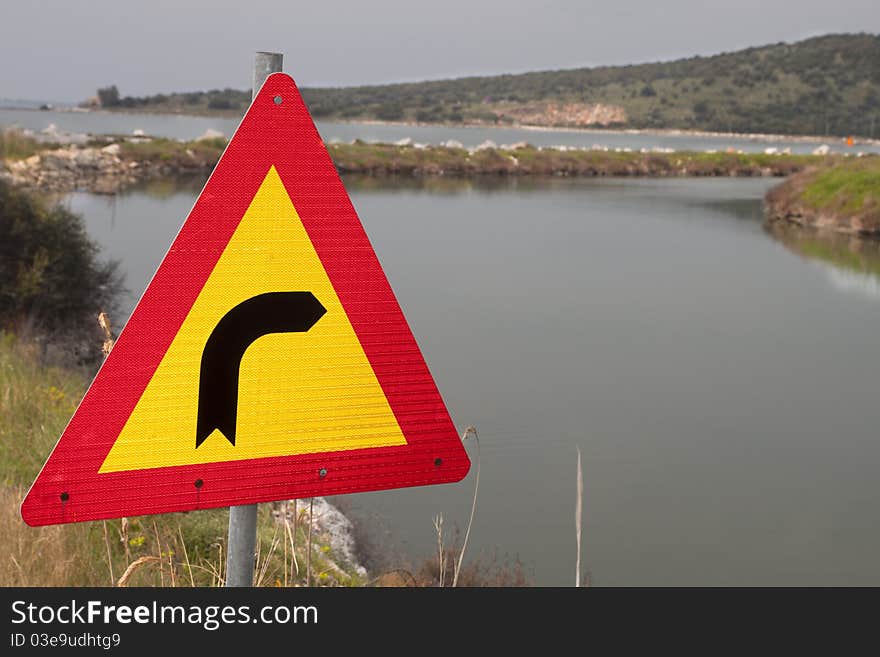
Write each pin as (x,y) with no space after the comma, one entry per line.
(298,393)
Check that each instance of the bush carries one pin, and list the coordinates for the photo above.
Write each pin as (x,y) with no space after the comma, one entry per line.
(52,284)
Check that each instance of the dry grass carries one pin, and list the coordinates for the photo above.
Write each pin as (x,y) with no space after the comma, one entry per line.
(183,549)
(32,556)
(578,518)
(15,145)
(469,431)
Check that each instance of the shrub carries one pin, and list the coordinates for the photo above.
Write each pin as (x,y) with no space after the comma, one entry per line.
(52,284)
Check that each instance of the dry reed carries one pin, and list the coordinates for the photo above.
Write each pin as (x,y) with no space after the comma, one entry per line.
(470,430)
(578,517)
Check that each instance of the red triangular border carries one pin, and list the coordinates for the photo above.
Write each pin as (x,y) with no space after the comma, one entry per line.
(69,488)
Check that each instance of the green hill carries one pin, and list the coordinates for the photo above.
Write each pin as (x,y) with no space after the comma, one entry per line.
(827,85)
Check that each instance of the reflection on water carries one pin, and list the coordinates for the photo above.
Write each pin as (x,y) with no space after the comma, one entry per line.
(722,393)
(851,262)
(451,185)
(163,188)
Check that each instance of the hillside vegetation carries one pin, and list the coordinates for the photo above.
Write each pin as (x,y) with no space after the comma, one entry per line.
(827,85)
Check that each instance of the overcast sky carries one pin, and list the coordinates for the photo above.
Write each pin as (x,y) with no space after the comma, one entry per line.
(65,49)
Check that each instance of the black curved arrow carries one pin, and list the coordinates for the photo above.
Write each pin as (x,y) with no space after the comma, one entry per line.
(273,312)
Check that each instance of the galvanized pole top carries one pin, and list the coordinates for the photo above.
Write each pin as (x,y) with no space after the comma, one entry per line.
(264,64)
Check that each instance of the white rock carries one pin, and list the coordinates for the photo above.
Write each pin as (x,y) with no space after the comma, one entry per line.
(53,134)
(824,149)
(137,132)
(210,134)
(452,143)
(340,530)
(406,141)
(771,151)
(87,157)
(112,149)
(486,145)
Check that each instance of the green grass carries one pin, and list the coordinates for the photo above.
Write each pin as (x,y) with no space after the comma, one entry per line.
(850,186)
(36,401)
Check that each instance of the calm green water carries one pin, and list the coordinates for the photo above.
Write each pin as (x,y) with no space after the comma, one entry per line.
(720,379)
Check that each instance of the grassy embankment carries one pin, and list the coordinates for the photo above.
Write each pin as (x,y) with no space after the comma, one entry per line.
(386,159)
(157,158)
(843,196)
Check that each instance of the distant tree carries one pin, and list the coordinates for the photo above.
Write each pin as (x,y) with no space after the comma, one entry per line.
(109,96)
(389,112)
(648,91)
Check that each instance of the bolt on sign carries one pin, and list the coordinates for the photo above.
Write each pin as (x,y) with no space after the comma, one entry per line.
(268,358)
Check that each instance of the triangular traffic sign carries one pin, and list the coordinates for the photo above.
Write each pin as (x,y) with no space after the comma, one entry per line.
(268,358)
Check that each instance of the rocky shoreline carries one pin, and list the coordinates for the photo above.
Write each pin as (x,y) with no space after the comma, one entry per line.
(112,167)
(821,220)
(100,170)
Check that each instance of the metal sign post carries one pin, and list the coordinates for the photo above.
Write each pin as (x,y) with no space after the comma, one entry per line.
(242,537)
